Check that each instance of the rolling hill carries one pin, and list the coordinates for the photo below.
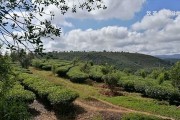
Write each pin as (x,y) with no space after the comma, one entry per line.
(170,58)
(120,60)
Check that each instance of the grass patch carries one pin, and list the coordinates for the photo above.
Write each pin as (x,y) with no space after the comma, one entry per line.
(134,116)
(145,104)
(85,91)
(132,101)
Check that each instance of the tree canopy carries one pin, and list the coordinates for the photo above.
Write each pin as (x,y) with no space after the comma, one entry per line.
(20,26)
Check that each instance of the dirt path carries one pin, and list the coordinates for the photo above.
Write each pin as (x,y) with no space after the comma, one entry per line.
(86,110)
(126,110)
(90,107)
(40,112)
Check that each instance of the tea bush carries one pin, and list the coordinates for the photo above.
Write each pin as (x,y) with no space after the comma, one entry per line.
(152,90)
(62,70)
(18,93)
(96,73)
(49,92)
(76,75)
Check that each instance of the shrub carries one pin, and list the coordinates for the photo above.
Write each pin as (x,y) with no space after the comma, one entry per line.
(107,69)
(61,71)
(140,87)
(152,90)
(13,110)
(62,97)
(127,85)
(36,63)
(46,67)
(95,73)
(111,80)
(49,92)
(76,75)
(18,93)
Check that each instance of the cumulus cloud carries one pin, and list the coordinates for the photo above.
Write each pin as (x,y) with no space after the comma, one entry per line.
(157,21)
(121,9)
(156,37)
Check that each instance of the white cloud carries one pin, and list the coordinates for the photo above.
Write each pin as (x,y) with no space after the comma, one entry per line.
(157,21)
(159,38)
(121,9)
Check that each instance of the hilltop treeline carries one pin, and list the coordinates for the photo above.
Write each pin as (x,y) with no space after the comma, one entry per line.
(121,60)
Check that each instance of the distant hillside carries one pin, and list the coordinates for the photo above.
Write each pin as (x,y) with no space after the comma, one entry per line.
(174,56)
(119,59)
(170,58)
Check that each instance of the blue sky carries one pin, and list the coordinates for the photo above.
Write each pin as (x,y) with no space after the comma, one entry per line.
(149,5)
(124,26)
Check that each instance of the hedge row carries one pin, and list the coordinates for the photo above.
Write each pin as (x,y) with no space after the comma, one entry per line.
(57,96)
(66,69)
(18,93)
(151,90)
(47,65)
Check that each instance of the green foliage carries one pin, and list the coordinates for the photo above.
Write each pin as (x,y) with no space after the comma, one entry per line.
(156,72)
(111,79)
(136,116)
(85,67)
(166,75)
(47,91)
(96,73)
(122,60)
(5,68)
(18,93)
(46,67)
(136,102)
(142,73)
(161,78)
(175,75)
(107,69)
(76,75)
(62,97)
(150,89)
(13,110)
(12,97)
(162,93)
(62,70)
(36,63)
(24,59)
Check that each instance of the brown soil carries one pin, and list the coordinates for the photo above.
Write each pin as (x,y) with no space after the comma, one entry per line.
(90,109)
(82,110)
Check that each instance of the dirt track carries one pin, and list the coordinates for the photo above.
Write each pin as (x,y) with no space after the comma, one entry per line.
(86,110)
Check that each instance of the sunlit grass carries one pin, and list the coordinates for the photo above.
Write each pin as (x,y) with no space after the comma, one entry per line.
(130,100)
